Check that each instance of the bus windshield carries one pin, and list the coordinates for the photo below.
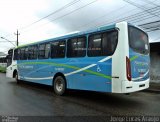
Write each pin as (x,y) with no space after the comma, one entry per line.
(138,40)
(9,57)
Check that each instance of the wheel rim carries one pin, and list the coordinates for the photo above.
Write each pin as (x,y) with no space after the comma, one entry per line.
(59,85)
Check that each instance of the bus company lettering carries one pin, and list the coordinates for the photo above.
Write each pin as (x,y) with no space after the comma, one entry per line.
(141,63)
(142,70)
(25,67)
(59,69)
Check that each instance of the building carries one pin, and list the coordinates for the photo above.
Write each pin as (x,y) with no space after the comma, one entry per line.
(155,62)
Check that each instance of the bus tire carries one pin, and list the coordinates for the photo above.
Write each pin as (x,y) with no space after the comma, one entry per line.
(16,78)
(59,85)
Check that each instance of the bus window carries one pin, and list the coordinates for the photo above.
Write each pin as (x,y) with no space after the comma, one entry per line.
(19,53)
(2,59)
(58,49)
(44,51)
(95,43)
(22,53)
(102,44)
(47,50)
(35,52)
(9,57)
(76,47)
(32,52)
(110,40)
(25,54)
(16,55)
(41,54)
(138,40)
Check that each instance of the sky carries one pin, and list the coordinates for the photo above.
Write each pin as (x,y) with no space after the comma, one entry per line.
(67,16)
(17,14)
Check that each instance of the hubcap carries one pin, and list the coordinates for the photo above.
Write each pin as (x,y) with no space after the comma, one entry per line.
(59,85)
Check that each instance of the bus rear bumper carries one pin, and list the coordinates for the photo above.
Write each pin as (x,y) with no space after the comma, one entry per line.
(132,86)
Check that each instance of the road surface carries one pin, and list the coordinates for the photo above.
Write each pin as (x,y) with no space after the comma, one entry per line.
(26,99)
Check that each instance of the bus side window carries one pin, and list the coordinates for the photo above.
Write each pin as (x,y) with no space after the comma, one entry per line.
(94,45)
(25,53)
(32,52)
(81,46)
(58,49)
(22,53)
(35,52)
(44,51)
(47,50)
(41,54)
(102,44)
(109,42)
(76,47)
(16,55)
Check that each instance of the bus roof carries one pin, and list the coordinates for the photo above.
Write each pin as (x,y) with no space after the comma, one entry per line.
(72,35)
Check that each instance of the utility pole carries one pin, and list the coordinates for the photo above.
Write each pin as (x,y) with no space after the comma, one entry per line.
(17,34)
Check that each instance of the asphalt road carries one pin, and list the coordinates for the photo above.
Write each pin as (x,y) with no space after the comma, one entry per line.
(28,99)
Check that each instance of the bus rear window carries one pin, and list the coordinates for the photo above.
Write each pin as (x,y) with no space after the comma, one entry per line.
(138,40)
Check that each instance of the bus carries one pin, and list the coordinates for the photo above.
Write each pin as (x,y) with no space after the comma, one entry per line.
(112,58)
(3,63)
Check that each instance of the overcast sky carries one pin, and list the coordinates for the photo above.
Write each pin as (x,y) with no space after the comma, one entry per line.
(67,16)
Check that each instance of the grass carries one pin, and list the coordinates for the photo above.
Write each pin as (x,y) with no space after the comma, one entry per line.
(2,69)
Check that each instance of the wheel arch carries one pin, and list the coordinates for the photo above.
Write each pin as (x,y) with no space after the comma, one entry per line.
(14,73)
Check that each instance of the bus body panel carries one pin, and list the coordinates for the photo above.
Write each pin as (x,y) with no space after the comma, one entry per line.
(119,57)
(128,87)
(11,68)
(94,75)
(138,62)
(83,73)
(139,66)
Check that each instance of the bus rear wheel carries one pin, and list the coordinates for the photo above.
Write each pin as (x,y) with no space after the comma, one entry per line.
(59,85)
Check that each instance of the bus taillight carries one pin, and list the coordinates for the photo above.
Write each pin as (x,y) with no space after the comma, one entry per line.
(128,68)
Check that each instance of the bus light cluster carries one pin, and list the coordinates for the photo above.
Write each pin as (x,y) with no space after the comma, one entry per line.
(128,68)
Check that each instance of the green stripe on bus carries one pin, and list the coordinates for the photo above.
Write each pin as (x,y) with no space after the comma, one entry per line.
(99,74)
(136,56)
(133,58)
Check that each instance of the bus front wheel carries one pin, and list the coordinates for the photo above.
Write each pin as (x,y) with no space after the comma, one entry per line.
(16,78)
(59,85)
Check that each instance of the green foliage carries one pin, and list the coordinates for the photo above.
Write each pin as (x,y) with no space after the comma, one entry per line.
(2,69)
